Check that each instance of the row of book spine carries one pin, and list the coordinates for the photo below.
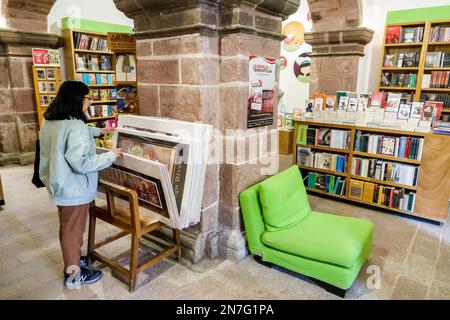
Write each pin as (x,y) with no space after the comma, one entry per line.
(87,42)
(326,183)
(401,147)
(95,78)
(440,34)
(385,171)
(322,160)
(103,94)
(338,139)
(90,62)
(443,97)
(101,111)
(391,197)
(405,80)
(436,79)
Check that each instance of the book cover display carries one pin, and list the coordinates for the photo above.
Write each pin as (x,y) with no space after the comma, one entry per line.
(164,163)
(261,98)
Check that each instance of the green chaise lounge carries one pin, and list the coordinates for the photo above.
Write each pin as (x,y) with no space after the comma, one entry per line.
(282,229)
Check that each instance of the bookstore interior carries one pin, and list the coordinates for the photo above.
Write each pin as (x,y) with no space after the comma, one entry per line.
(350,202)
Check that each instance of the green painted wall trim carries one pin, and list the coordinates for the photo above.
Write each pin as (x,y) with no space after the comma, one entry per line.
(91,25)
(421,14)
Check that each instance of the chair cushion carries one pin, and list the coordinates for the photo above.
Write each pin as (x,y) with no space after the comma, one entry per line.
(323,237)
(283,199)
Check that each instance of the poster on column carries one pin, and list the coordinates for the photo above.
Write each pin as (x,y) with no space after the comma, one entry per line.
(261,99)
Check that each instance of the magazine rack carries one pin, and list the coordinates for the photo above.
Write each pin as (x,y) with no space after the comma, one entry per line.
(125,215)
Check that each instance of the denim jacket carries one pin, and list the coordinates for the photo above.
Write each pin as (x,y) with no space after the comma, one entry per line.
(69,164)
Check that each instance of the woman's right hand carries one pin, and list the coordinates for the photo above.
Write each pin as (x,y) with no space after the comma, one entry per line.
(118,152)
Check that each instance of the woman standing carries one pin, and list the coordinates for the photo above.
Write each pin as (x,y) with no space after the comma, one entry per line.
(69,169)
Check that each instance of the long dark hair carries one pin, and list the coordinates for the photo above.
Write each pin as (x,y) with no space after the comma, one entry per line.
(68,103)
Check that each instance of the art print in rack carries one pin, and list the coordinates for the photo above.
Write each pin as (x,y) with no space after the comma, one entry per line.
(146,187)
(173,155)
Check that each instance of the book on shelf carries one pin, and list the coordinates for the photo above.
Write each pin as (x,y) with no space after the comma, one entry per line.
(436,79)
(330,104)
(395,79)
(385,171)
(374,193)
(404,111)
(393,102)
(393,34)
(321,160)
(441,97)
(412,34)
(401,60)
(437,60)
(326,183)
(400,147)
(440,34)
(333,138)
(89,42)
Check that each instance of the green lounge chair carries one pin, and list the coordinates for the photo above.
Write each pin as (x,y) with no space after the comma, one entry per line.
(282,229)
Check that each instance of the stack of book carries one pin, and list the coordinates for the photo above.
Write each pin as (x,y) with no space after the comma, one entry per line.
(385,171)
(401,147)
(442,128)
(326,183)
(397,198)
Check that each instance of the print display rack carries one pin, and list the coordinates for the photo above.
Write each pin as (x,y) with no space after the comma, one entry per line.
(429,194)
(47,81)
(165,163)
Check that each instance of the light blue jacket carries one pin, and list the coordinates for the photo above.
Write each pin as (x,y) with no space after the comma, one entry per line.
(68,162)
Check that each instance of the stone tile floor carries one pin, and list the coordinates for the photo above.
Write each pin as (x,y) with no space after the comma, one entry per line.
(413,258)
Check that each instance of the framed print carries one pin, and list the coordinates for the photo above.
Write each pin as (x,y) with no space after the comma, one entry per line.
(51,86)
(41,74)
(50,73)
(42,86)
(44,100)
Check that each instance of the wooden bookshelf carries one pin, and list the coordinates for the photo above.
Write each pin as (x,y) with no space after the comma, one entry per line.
(433,183)
(72,73)
(45,77)
(423,47)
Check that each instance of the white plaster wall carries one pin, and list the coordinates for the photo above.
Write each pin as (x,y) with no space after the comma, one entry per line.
(374,17)
(98,10)
(295,92)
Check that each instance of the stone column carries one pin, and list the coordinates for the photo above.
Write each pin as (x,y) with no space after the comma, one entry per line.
(193,65)
(27,26)
(337,43)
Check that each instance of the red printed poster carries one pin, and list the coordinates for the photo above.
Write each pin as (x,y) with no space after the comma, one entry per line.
(46,57)
(261,99)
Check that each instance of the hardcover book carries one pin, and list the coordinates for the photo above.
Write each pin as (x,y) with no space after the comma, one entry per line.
(393,34)
(356,189)
(388,146)
(404,111)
